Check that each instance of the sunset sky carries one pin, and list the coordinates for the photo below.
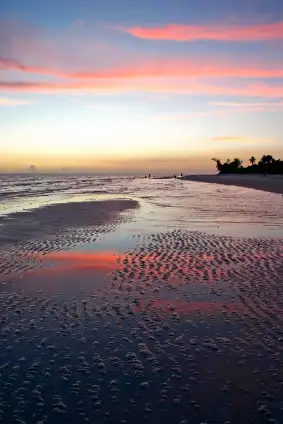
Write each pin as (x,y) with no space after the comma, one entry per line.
(138,85)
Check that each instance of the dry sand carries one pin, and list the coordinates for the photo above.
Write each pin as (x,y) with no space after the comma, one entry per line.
(273,184)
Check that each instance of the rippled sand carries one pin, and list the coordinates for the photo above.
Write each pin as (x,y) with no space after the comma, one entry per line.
(56,227)
(179,327)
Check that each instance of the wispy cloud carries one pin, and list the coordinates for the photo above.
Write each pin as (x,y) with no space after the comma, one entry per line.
(32,53)
(262,106)
(9,102)
(248,104)
(194,87)
(78,23)
(198,67)
(183,116)
(97,106)
(228,138)
(218,32)
(33,48)
(225,108)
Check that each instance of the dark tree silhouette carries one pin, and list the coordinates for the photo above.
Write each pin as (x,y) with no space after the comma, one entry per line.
(237,162)
(267,159)
(252,160)
(219,165)
(266,165)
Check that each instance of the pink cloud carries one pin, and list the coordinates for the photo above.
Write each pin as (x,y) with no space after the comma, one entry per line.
(175,32)
(194,87)
(10,64)
(197,87)
(46,87)
(199,67)
(32,54)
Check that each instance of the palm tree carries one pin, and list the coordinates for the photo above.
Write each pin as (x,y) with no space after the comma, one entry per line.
(218,164)
(252,160)
(237,162)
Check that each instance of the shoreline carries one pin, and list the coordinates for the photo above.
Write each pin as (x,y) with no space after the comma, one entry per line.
(272,184)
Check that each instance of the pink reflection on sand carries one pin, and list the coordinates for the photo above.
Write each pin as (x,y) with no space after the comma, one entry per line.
(77,261)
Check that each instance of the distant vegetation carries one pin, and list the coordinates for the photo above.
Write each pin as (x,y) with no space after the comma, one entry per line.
(266,165)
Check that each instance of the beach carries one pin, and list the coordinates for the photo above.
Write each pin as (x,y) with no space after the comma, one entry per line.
(130,291)
(132,300)
(271,183)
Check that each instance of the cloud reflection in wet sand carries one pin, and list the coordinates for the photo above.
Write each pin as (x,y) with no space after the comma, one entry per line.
(78,260)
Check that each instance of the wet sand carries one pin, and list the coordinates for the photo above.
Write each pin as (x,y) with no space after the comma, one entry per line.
(44,221)
(273,184)
(179,327)
(56,227)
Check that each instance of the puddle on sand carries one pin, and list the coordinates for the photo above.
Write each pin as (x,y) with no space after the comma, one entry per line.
(172,327)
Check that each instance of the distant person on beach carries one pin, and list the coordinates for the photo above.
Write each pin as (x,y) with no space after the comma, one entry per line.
(149,175)
(181,174)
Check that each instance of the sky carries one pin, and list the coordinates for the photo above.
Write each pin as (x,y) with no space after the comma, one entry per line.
(133,86)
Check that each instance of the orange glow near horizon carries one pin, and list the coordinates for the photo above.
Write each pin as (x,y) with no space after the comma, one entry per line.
(191,161)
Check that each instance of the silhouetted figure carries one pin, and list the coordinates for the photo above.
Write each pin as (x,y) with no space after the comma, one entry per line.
(149,176)
(175,176)
(181,174)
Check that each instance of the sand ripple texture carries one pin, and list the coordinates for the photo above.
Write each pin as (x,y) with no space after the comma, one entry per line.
(57,227)
(184,327)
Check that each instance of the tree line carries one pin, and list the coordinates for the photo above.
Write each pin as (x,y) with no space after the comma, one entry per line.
(266,165)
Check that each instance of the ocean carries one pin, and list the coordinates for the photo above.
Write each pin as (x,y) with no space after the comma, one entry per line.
(183,204)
